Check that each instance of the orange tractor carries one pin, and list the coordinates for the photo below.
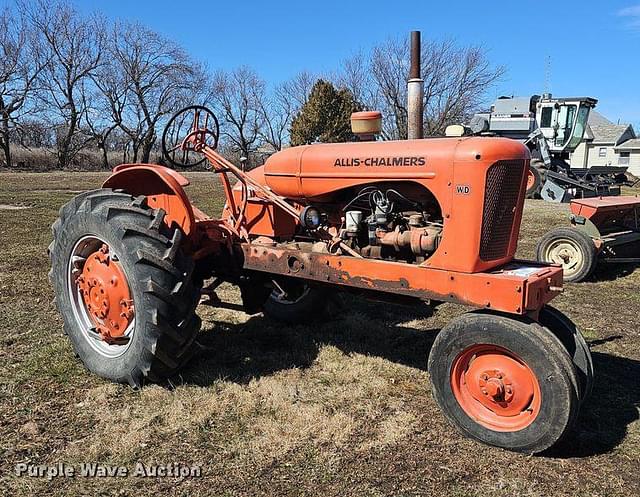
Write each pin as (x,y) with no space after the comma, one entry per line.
(425,220)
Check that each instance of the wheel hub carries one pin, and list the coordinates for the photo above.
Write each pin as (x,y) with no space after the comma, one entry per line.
(565,253)
(105,293)
(495,388)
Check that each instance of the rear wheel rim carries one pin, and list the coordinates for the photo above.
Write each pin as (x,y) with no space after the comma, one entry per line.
(567,253)
(100,296)
(495,388)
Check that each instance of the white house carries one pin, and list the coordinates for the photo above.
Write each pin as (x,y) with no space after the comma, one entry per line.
(607,144)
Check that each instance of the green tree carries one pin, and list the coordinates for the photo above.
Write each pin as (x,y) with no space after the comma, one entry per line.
(325,117)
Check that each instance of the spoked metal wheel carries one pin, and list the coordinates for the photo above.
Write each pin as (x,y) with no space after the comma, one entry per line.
(572,249)
(101,299)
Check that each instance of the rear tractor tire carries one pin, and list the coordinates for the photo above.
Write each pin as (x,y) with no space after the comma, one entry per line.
(571,248)
(123,287)
(505,382)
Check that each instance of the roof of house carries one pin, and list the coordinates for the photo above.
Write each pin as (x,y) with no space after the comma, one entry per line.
(601,130)
(633,144)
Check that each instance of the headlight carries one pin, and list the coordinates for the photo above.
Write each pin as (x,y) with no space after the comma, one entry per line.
(310,218)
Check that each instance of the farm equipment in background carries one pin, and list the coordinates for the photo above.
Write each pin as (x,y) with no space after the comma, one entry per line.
(552,128)
(602,229)
(433,220)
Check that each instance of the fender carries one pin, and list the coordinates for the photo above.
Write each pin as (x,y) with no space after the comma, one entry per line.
(163,188)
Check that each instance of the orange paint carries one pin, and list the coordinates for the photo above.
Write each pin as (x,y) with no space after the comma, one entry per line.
(478,184)
(603,210)
(455,171)
(163,188)
(495,388)
(105,293)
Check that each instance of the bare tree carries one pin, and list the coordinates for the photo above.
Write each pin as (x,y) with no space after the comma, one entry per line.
(20,65)
(34,133)
(277,112)
(239,96)
(356,76)
(159,77)
(281,105)
(108,103)
(466,75)
(298,88)
(73,45)
(97,123)
(456,80)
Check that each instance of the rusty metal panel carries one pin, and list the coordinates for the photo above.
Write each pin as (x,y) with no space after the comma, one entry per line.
(505,290)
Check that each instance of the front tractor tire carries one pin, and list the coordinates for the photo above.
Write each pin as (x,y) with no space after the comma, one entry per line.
(505,382)
(571,248)
(124,287)
(575,345)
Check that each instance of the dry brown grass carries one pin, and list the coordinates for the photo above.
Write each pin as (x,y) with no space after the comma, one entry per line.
(338,408)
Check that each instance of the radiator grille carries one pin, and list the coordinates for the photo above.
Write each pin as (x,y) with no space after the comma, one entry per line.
(504,180)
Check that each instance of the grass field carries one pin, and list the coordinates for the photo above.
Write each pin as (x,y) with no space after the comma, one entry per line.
(339,408)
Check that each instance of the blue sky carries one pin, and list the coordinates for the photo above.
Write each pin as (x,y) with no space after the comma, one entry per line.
(594,47)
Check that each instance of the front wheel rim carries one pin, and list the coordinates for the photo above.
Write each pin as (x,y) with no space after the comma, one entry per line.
(495,388)
(100,296)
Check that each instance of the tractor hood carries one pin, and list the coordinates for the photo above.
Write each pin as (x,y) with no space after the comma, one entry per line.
(312,172)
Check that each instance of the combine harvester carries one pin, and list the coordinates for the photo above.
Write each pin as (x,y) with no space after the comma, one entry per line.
(415,221)
(552,128)
(604,225)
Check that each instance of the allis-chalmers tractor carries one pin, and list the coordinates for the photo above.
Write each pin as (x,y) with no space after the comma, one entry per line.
(424,220)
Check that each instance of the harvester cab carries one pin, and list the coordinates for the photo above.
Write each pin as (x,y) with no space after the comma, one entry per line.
(562,121)
(552,128)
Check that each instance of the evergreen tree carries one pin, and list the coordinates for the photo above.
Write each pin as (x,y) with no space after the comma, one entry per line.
(325,117)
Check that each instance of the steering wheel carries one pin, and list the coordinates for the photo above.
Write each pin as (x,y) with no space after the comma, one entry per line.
(186,133)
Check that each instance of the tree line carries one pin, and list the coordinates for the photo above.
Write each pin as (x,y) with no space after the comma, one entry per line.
(71,82)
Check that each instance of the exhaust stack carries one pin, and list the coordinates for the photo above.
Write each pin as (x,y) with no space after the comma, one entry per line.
(415,91)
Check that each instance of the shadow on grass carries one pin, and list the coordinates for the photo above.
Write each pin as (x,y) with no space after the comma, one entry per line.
(611,271)
(262,347)
(613,405)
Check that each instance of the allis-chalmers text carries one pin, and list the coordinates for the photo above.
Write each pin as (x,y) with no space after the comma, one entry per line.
(379,161)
